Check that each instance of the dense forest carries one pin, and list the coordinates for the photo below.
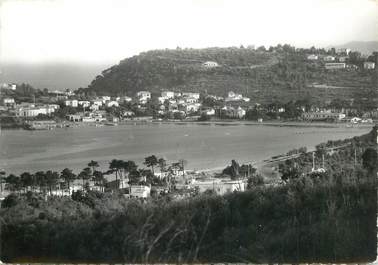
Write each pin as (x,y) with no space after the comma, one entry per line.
(328,217)
(282,73)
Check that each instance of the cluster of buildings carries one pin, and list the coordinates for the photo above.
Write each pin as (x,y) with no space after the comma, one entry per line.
(27,110)
(333,116)
(185,186)
(339,61)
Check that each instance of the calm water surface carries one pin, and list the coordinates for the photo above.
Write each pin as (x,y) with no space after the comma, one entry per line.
(203,146)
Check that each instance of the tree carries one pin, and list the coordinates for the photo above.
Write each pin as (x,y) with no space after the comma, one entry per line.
(13,182)
(68,177)
(93,165)
(128,167)
(2,179)
(151,161)
(85,174)
(40,178)
(115,166)
(134,177)
(261,49)
(256,180)
(52,179)
(99,180)
(26,180)
(183,163)
(162,165)
(10,201)
(369,159)
(233,171)
(288,170)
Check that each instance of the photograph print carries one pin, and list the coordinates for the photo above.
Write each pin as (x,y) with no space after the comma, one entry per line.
(188,131)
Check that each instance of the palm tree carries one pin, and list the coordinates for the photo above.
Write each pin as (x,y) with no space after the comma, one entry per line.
(26,180)
(115,166)
(129,167)
(162,164)
(183,163)
(85,174)
(98,178)
(2,179)
(41,180)
(151,161)
(93,165)
(68,177)
(52,178)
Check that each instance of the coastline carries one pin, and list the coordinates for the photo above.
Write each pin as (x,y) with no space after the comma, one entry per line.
(298,124)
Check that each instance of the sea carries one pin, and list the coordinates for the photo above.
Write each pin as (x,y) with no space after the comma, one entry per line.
(203,146)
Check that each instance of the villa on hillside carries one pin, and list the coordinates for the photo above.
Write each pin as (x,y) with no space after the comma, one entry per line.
(210,64)
(219,186)
(312,57)
(329,58)
(369,65)
(332,66)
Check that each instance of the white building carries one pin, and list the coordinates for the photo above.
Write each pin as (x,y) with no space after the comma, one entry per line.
(162,100)
(191,95)
(232,96)
(219,186)
(312,57)
(355,120)
(343,51)
(128,113)
(84,103)
(8,102)
(369,65)
(125,99)
(74,117)
(71,103)
(94,107)
(332,66)
(208,112)
(168,94)
(35,111)
(111,103)
(97,102)
(232,112)
(329,58)
(143,95)
(139,191)
(191,100)
(88,119)
(210,64)
(9,86)
(193,107)
(105,98)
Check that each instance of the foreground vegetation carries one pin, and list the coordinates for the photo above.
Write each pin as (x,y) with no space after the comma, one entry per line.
(296,222)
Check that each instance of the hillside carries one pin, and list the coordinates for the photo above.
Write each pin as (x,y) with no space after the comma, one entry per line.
(261,75)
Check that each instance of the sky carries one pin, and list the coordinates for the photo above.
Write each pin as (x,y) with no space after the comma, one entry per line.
(106,31)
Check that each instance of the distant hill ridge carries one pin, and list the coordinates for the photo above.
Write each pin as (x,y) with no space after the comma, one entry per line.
(261,75)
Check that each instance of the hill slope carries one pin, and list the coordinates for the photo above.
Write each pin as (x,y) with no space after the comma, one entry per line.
(262,76)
